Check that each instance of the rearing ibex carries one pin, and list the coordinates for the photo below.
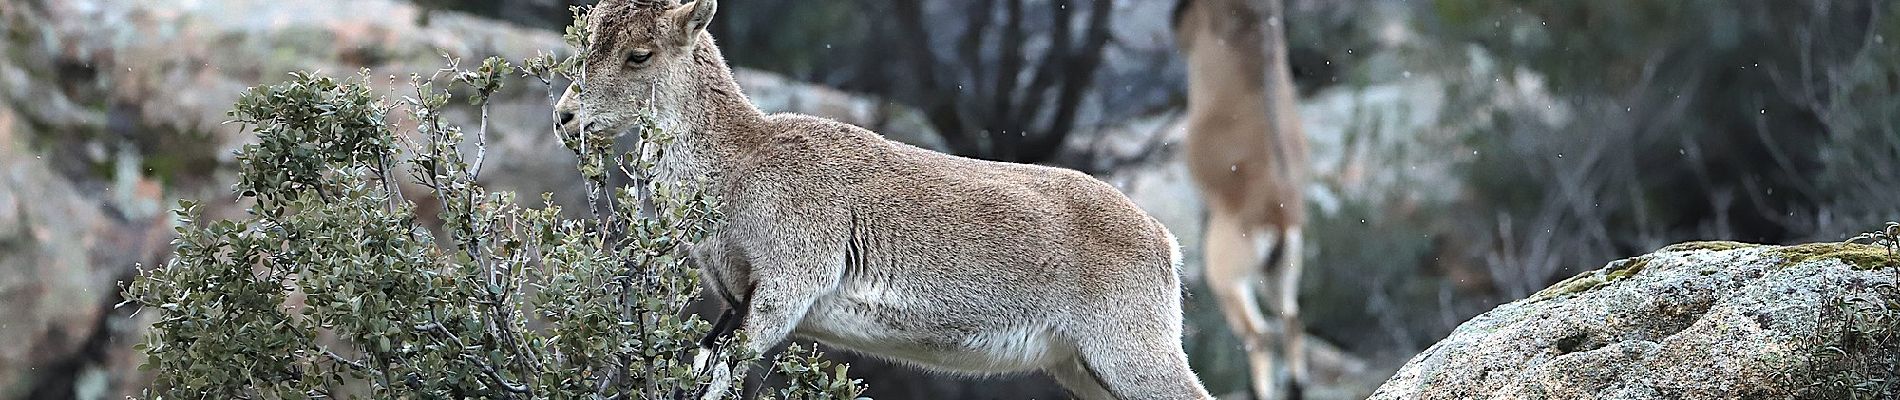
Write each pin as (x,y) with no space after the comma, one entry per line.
(836,234)
(1247,153)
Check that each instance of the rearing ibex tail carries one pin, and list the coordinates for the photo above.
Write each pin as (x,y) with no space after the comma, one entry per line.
(1247,153)
(836,234)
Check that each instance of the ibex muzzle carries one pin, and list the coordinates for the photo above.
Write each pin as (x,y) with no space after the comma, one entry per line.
(834,233)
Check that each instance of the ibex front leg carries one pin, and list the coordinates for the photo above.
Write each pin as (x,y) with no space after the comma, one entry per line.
(784,284)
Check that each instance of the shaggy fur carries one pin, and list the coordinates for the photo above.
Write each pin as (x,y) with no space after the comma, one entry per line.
(834,233)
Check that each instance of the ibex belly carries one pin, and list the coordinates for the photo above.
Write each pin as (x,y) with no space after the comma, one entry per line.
(875,322)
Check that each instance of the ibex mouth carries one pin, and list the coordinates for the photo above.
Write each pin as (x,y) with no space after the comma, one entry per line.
(599,128)
(567,125)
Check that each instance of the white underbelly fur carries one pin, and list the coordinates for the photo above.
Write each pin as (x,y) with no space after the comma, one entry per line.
(994,350)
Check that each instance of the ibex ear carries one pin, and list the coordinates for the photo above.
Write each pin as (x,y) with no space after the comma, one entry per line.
(694,17)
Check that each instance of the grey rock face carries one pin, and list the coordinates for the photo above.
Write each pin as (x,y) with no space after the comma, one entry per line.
(1714,320)
(59,258)
(143,87)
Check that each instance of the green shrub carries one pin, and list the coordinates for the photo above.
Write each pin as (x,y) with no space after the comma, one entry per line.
(330,286)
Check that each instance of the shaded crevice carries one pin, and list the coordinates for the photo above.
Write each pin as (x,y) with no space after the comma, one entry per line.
(60,379)
(1576,342)
(1678,317)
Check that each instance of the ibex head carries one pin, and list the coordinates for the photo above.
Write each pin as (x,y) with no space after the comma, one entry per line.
(639,59)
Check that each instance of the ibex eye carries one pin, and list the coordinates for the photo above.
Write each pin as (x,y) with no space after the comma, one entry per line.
(639,57)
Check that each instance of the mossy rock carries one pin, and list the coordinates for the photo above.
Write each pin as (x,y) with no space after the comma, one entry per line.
(1700,320)
(1713,245)
(1592,279)
(1860,256)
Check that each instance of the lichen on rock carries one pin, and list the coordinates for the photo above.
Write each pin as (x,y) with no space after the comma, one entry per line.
(1593,278)
(1701,320)
(1713,245)
(1860,256)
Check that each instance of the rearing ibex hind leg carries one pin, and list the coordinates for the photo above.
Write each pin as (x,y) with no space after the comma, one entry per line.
(1292,330)
(1232,271)
(1236,257)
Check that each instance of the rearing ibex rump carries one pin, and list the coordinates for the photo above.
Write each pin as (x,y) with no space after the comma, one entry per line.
(836,234)
(1247,152)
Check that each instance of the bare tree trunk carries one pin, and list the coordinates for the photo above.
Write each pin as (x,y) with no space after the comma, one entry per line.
(978,99)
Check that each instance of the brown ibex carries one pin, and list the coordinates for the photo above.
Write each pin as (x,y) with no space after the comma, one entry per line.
(1247,153)
(834,233)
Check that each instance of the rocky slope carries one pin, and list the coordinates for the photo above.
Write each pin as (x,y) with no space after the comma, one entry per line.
(111,109)
(1708,320)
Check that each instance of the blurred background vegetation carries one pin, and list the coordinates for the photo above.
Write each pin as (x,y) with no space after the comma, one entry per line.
(1468,152)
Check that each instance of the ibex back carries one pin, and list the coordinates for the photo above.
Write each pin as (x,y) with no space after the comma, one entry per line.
(1247,153)
(836,234)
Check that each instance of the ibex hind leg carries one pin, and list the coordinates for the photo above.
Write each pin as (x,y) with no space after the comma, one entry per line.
(1137,354)
(1142,368)
(1079,380)
(1234,257)
(1292,328)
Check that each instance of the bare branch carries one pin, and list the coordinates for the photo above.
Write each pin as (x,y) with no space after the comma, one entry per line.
(1076,81)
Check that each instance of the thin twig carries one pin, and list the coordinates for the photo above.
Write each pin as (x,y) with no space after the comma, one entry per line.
(481,144)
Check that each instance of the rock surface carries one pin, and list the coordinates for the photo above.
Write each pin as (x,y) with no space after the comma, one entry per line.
(60,255)
(1709,320)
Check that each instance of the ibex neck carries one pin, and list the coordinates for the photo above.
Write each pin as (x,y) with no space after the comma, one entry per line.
(716,122)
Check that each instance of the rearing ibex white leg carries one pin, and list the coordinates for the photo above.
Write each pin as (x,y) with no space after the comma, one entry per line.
(1237,272)
(1246,151)
(1291,268)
